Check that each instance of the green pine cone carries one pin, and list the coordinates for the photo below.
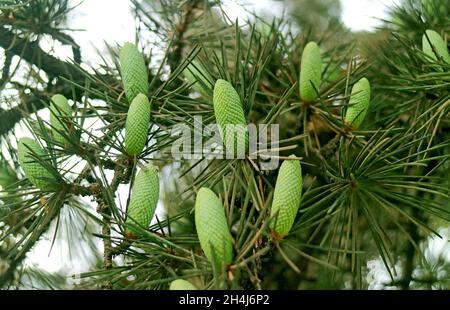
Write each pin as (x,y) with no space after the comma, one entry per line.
(59,108)
(136,127)
(181,285)
(28,149)
(439,45)
(144,199)
(212,228)
(358,104)
(229,111)
(133,71)
(310,72)
(286,197)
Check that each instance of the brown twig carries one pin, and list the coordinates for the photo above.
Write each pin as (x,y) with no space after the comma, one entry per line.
(31,52)
(122,173)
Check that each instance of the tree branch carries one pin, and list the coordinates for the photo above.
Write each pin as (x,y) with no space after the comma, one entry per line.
(54,67)
(122,174)
(6,69)
(33,54)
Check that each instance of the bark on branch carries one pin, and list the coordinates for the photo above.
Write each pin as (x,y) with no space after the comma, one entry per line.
(31,52)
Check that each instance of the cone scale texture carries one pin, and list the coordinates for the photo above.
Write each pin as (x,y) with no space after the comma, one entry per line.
(310,72)
(212,228)
(59,108)
(136,127)
(133,71)
(228,110)
(144,199)
(28,149)
(286,197)
(358,104)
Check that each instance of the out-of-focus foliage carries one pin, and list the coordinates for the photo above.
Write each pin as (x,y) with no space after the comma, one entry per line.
(315,16)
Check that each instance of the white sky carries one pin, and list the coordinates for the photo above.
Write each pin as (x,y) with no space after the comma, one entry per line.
(364,14)
(111,21)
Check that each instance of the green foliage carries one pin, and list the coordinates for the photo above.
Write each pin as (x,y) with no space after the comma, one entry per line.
(228,110)
(196,75)
(378,195)
(7,175)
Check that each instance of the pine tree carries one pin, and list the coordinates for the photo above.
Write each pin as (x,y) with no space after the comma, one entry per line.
(376,192)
